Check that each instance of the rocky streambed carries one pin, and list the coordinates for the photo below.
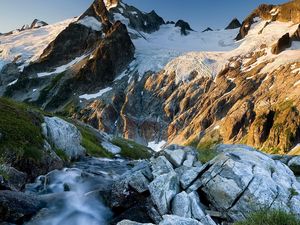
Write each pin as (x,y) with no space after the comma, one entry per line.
(173,187)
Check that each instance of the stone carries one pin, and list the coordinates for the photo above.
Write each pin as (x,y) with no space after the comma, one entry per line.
(64,136)
(181,205)
(188,176)
(15,180)
(240,182)
(163,189)
(177,220)
(176,157)
(207,220)
(283,43)
(294,165)
(128,222)
(161,166)
(17,206)
(184,26)
(139,182)
(196,206)
(190,160)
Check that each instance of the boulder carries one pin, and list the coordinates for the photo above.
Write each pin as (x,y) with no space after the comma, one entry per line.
(128,222)
(161,166)
(187,175)
(16,207)
(163,189)
(14,179)
(240,182)
(177,220)
(197,208)
(176,157)
(181,205)
(64,136)
(294,165)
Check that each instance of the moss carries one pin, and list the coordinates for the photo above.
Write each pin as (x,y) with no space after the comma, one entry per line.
(61,154)
(131,149)
(270,217)
(45,92)
(293,192)
(91,143)
(205,155)
(20,127)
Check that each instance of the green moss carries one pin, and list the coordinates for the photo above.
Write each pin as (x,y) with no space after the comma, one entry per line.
(269,217)
(3,172)
(61,154)
(206,155)
(91,143)
(132,150)
(20,127)
(45,92)
(293,192)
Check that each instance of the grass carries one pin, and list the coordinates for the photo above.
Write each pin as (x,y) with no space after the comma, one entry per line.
(91,143)
(61,154)
(206,155)
(270,217)
(131,149)
(20,127)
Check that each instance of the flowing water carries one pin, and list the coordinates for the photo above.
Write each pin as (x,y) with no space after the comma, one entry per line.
(73,195)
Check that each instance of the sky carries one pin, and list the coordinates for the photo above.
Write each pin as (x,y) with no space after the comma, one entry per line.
(199,13)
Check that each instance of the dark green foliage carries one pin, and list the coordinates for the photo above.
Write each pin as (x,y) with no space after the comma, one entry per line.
(268,217)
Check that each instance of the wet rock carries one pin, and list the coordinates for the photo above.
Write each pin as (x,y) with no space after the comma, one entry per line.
(139,182)
(64,136)
(177,220)
(233,178)
(162,189)
(14,180)
(17,206)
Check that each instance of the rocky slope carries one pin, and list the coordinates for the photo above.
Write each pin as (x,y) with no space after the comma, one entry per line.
(129,74)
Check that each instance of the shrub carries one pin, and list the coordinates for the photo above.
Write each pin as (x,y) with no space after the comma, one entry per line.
(270,217)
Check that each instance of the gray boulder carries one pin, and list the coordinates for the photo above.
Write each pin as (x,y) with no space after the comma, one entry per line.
(181,205)
(163,189)
(294,165)
(241,182)
(177,220)
(161,166)
(176,157)
(14,179)
(64,136)
(17,206)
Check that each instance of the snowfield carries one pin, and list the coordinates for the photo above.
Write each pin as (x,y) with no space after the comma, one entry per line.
(26,46)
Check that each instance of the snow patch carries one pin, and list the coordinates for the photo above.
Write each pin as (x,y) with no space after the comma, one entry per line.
(91,22)
(12,83)
(62,68)
(96,95)
(156,146)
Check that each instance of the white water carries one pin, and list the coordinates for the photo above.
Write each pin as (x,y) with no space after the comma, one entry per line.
(73,194)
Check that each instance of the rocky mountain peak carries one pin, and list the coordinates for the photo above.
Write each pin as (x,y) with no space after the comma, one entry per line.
(234,24)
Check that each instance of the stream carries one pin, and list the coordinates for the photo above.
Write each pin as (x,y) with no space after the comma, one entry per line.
(73,194)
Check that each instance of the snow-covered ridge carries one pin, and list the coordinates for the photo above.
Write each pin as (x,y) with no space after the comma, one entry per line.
(91,22)
(28,45)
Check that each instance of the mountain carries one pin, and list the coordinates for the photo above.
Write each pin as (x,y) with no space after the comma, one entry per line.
(234,24)
(129,73)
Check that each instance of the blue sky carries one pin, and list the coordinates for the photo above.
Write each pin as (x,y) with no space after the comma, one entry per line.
(200,13)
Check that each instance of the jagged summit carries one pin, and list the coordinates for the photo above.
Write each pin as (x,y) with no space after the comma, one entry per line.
(234,24)
(207,29)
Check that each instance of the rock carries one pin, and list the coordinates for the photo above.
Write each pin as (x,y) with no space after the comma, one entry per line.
(176,157)
(14,179)
(188,175)
(207,220)
(37,24)
(283,43)
(240,182)
(207,29)
(138,182)
(176,220)
(196,206)
(234,24)
(64,136)
(294,165)
(162,189)
(16,207)
(161,166)
(128,222)
(190,160)
(181,205)
(184,27)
